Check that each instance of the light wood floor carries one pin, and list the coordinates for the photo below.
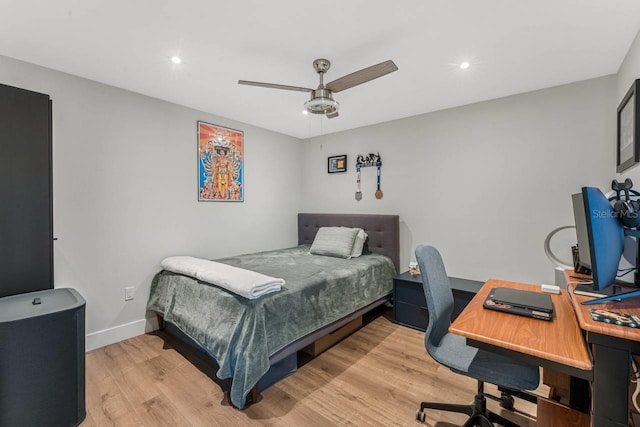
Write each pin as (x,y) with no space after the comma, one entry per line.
(376,377)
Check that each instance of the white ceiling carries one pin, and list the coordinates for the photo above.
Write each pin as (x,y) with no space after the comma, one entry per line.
(513,46)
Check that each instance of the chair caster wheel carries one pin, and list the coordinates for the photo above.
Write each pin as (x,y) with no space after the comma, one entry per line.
(506,401)
(420,416)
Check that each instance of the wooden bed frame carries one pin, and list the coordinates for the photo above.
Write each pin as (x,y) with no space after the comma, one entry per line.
(383,238)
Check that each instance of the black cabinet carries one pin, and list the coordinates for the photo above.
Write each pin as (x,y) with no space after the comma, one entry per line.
(410,305)
(26,219)
(42,359)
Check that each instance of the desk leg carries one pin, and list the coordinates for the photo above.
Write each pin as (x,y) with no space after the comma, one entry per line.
(610,405)
(579,394)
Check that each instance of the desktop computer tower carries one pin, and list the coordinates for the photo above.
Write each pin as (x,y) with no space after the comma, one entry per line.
(42,359)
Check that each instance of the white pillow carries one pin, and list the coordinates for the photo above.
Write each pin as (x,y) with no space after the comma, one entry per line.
(358,243)
(334,241)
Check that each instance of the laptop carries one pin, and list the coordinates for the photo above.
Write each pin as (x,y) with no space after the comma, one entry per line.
(523,303)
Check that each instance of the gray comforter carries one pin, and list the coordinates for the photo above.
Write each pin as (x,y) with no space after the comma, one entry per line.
(241,334)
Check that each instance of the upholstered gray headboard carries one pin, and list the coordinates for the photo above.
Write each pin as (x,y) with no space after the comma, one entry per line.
(383,230)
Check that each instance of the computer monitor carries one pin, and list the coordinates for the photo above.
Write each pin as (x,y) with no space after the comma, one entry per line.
(605,236)
(580,218)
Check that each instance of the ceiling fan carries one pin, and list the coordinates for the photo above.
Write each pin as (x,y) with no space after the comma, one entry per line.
(322,101)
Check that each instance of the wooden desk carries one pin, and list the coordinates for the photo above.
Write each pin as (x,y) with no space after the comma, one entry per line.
(556,344)
(612,347)
(631,306)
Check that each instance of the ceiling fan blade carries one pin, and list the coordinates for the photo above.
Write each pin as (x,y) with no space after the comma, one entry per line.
(332,115)
(362,76)
(274,86)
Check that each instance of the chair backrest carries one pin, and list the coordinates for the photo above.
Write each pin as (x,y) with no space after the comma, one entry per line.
(437,291)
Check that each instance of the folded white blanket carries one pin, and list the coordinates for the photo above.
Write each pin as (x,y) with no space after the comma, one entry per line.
(248,284)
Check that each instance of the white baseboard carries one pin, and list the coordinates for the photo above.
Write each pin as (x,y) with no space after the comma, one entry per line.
(119,333)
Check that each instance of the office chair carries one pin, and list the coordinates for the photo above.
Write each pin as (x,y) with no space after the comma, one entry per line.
(452,351)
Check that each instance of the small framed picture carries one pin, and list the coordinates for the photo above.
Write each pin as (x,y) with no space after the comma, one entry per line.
(628,140)
(337,164)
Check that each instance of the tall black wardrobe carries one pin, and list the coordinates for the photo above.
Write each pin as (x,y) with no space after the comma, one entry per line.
(26,196)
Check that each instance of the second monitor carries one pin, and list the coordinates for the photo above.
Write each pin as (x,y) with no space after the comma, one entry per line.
(604,234)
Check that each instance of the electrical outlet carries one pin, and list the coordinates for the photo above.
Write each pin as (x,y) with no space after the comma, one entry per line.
(128,293)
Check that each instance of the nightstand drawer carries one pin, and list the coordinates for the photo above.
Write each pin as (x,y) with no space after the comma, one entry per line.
(411,315)
(410,305)
(460,301)
(408,292)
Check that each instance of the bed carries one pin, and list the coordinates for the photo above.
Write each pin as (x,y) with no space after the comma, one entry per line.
(252,339)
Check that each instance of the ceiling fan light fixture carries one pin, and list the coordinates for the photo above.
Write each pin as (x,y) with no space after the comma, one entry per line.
(321,106)
(321,102)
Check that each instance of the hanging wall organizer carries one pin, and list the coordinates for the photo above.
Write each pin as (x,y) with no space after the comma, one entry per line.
(364,162)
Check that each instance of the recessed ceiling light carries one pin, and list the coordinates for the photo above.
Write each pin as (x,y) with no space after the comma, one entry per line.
(464,65)
(305,112)
(176,59)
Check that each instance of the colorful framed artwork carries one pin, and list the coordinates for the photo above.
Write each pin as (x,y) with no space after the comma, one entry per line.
(220,164)
(337,164)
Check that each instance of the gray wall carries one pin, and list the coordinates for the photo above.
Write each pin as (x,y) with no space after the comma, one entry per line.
(125,192)
(629,71)
(485,183)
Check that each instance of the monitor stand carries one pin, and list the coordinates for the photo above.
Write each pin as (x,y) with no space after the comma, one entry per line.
(615,297)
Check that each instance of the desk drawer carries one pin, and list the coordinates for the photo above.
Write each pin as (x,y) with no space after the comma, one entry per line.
(411,315)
